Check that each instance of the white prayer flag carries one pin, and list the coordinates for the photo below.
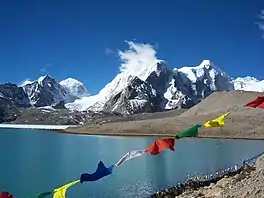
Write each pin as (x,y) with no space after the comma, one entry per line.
(130,155)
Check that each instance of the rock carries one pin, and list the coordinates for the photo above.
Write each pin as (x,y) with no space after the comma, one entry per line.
(16,95)
(215,192)
(260,164)
(8,111)
(223,183)
(239,177)
(59,105)
(137,97)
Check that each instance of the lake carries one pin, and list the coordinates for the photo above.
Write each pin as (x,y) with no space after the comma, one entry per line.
(35,161)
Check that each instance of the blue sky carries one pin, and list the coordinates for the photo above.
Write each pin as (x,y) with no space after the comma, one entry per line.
(80,39)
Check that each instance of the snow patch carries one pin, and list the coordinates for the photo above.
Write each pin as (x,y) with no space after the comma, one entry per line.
(40,79)
(31,126)
(136,103)
(47,108)
(83,103)
(74,87)
(198,72)
(249,84)
(25,82)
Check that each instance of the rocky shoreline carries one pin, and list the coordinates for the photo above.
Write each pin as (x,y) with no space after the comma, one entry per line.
(246,181)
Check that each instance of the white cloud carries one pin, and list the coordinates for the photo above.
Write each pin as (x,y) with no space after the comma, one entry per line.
(260,23)
(139,56)
(108,51)
(261,16)
(44,69)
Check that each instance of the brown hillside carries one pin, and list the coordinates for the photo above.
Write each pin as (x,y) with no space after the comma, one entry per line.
(243,122)
(221,102)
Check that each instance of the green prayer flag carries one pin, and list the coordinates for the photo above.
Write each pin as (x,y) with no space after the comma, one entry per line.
(45,194)
(190,132)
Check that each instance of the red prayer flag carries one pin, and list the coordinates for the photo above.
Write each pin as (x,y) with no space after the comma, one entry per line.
(261,105)
(6,195)
(160,145)
(256,103)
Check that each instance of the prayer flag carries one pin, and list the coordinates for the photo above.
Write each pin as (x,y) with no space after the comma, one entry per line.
(259,102)
(130,155)
(61,192)
(6,195)
(100,172)
(218,122)
(160,145)
(190,132)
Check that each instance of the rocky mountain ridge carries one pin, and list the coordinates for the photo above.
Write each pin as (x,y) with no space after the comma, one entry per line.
(172,88)
(44,91)
(152,88)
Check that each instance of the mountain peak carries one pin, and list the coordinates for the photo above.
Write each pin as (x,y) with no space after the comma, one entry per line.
(74,87)
(247,79)
(206,64)
(70,81)
(41,79)
(248,83)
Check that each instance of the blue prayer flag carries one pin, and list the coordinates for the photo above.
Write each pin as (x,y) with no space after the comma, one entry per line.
(100,172)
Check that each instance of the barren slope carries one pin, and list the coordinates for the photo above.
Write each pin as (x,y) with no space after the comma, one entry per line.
(220,102)
(243,122)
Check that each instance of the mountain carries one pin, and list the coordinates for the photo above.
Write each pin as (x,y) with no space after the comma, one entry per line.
(74,87)
(137,97)
(249,84)
(153,86)
(46,91)
(11,97)
(14,94)
(169,87)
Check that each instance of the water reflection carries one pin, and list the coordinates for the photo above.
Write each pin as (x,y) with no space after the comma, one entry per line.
(43,160)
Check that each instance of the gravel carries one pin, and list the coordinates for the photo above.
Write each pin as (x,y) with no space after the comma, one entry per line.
(247,183)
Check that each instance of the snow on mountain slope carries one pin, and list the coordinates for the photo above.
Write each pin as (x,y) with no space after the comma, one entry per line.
(45,91)
(210,74)
(25,83)
(140,60)
(182,87)
(248,84)
(173,87)
(189,85)
(74,87)
(85,103)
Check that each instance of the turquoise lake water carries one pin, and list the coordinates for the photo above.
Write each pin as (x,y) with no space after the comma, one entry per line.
(34,161)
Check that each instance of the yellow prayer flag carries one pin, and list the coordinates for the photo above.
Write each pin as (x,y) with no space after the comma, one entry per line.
(218,122)
(61,192)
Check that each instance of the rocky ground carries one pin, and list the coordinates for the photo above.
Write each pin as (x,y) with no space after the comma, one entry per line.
(63,116)
(248,183)
(241,123)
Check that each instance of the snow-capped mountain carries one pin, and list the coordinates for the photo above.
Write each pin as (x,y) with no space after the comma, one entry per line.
(249,84)
(14,94)
(74,87)
(144,84)
(11,97)
(171,88)
(44,91)
(137,97)
(47,91)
